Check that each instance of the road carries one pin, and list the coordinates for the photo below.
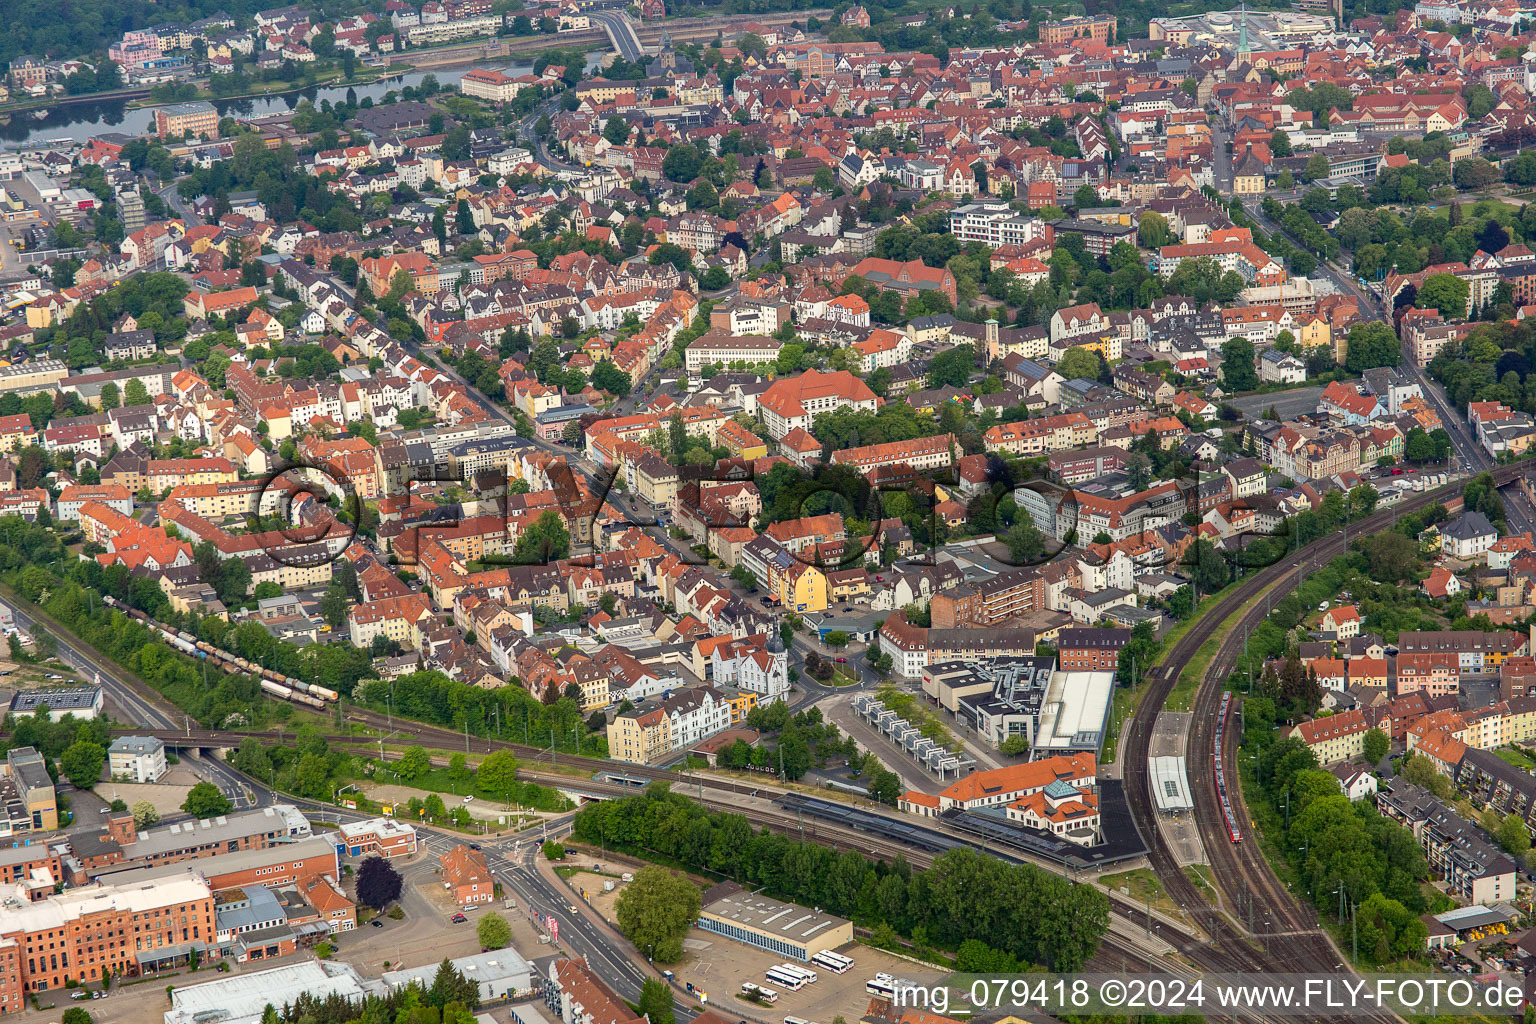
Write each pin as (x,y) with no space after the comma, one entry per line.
(621,32)
(81,658)
(512,861)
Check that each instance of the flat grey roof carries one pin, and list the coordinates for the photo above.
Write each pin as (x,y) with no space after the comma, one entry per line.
(771,917)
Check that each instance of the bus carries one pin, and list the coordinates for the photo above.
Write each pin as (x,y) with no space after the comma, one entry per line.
(809,975)
(752,991)
(834,962)
(882,985)
(783,979)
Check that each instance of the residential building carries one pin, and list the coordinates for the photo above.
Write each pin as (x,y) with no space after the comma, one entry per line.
(136,759)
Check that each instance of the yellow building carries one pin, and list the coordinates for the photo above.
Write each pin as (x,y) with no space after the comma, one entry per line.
(24,768)
(1248,177)
(1312,331)
(1109,345)
(742,702)
(928,329)
(804,589)
(637,738)
(656,480)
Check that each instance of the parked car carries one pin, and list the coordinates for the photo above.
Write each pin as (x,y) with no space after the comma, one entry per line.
(377,923)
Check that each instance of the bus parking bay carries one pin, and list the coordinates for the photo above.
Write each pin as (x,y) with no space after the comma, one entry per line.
(720,967)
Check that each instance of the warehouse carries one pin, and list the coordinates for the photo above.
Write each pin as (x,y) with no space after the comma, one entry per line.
(784,928)
(1075,712)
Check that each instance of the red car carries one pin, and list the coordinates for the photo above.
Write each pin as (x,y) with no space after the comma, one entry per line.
(842,661)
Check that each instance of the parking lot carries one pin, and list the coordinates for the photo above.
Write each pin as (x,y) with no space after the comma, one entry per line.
(718,966)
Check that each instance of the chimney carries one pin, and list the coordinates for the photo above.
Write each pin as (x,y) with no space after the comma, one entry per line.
(120,828)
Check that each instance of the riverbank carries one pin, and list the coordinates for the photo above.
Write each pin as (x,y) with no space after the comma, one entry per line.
(330,79)
(110,105)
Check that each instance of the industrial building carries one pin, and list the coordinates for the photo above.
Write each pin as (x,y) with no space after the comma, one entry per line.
(84,702)
(499,973)
(242,998)
(1075,713)
(784,928)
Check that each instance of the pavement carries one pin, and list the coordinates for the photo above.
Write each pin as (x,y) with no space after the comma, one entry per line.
(1289,404)
(840,711)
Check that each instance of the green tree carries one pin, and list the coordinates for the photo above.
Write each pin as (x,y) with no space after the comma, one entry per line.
(1513,835)
(547,540)
(608,377)
(1078,362)
(1280,144)
(1208,569)
(1237,369)
(497,774)
(81,763)
(335,605)
(458,770)
(656,910)
(250,757)
(1153,231)
(656,1002)
(204,800)
(1016,745)
(493,931)
(1375,344)
(413,763)
(1025,542)
(1445,292)
(1377,744)
(135,393)
(144,815)
(111,398)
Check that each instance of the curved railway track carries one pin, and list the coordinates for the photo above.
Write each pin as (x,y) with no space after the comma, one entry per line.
(1288,933)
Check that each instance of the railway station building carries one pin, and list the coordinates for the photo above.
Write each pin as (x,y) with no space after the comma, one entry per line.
(784,928)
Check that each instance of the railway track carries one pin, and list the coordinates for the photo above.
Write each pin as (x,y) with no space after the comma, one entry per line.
(1289,935)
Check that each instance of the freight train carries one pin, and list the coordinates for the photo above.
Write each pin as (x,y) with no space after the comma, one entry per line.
(274,684)
(1233,832)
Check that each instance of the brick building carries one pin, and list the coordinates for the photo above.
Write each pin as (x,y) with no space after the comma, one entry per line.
(1090,650)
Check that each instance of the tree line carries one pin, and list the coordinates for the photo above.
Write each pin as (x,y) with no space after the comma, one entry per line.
(1024,911)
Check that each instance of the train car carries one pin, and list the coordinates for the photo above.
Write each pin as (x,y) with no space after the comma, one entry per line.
(1219,771)
(280,692)
(273,683)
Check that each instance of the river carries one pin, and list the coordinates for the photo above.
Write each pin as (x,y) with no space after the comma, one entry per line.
(80,121)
